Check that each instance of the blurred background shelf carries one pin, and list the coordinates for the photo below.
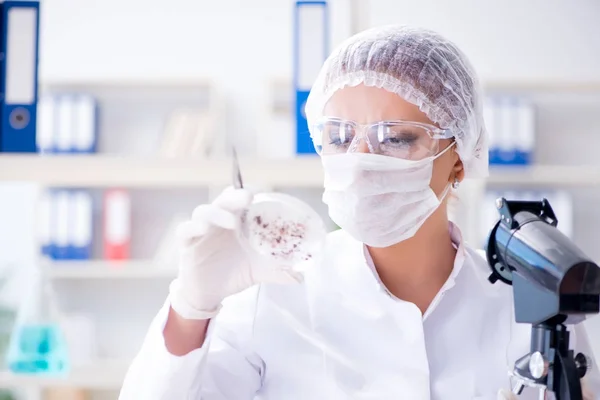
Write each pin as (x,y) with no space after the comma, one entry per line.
(563,175)
(533,85)
(100,269)
(564,85)
(154,83)
(148,172)
(102,375)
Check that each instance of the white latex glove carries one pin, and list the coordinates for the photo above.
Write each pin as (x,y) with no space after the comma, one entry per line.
(212,263)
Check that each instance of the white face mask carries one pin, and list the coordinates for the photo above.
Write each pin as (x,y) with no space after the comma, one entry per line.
(379,200)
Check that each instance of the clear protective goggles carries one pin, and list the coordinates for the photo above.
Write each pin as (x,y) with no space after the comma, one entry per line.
(407,140)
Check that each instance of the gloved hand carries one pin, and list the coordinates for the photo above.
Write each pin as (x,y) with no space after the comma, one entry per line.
(212,263)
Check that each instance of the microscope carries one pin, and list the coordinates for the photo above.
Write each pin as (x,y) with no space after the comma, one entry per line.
(554,285)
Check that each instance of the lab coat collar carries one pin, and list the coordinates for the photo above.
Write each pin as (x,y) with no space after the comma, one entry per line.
(355,283)
(459,260)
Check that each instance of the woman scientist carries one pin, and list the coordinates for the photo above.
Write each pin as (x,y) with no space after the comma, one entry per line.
(398,307)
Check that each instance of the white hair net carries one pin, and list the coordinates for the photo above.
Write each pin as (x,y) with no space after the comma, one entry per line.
(423,68)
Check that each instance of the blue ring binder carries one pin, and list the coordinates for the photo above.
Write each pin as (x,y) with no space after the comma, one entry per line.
(303,141)
(19,93)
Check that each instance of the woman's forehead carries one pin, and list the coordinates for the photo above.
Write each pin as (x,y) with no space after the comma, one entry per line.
(365,104)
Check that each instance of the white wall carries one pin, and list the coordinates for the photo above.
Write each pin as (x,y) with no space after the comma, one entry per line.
(242,44)
(510,39)
(239,44)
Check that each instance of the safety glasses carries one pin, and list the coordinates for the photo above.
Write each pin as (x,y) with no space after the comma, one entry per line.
(400,139)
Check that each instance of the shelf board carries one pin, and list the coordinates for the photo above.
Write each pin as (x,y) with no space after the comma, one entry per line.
(134,83)
(575,87)
(281,83)
(92,171)
(545,175)
(136,172)
(100,269)
(103,375)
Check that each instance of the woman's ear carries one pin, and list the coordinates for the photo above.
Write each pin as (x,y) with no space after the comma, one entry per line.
(458,170)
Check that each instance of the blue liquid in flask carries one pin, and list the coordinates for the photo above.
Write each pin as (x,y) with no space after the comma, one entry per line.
(38,349)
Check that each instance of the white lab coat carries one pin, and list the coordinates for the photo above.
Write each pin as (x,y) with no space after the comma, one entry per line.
(341,335)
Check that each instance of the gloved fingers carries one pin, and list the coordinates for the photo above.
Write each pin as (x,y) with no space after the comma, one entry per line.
(256,189)
(203,217)
(505,394)
(234,200)
(212,214)
(191,230)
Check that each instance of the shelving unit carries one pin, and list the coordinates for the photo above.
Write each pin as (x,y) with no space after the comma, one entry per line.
(138,84)
(579,87)
(282,90)
(543,175)
(582,86)
(102,375)
(140,172)
(99,269)
(137,172)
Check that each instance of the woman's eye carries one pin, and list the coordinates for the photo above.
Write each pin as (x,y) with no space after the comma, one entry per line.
(335,141)
(400,139)
(339,135)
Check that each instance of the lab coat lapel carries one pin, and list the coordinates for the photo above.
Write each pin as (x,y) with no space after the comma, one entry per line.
(383,334)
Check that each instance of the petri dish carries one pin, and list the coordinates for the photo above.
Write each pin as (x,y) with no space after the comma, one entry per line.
(282,229)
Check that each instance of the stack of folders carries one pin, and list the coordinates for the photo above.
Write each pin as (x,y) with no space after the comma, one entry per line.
(188,133)
(67,123)
(511,126)
(117,224)
(66,224)
(560,200)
